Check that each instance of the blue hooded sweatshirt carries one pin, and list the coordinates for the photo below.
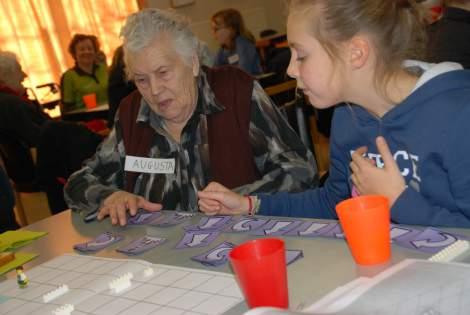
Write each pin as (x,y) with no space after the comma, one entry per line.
(428,135)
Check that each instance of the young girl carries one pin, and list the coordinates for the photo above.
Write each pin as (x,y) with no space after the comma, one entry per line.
(405,139)
(237,44)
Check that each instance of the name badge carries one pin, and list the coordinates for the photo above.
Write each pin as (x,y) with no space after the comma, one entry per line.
(150,166)
(233,59)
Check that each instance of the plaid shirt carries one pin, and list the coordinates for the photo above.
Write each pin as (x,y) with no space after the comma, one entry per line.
(280,157)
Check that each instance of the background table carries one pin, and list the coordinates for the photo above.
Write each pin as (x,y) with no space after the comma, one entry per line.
(84,114)
(326,265)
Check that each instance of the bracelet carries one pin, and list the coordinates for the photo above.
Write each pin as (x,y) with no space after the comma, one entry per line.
(250,205)
(254,204)
(257,205)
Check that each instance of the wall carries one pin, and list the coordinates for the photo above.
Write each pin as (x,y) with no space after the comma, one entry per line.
(258,15)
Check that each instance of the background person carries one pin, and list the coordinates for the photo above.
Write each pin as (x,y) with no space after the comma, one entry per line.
(86,77)
(211,124)
(61,146)
(449,36)
(237,44)
(406,138)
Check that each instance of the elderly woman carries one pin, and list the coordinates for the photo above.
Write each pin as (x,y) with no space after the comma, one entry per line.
(87,76)
(237,44)
(185,126)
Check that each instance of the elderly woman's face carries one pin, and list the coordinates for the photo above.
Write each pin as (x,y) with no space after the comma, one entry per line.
(85,52)
(166,83)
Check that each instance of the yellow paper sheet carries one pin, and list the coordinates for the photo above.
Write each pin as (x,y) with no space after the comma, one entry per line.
(20,259)
(14,239)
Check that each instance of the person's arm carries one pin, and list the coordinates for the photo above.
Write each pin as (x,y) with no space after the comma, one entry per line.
(219,58)
(248,58)
(19,119)
(312,203)
(100,176)
(67,91)
(281,158)
(412,207)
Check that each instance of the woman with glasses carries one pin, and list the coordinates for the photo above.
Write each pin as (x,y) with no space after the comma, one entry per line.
(237,44)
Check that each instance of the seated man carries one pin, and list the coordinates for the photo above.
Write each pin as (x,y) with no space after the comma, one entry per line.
(183,127)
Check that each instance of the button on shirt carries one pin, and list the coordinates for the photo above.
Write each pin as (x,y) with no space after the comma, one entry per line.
(280,157)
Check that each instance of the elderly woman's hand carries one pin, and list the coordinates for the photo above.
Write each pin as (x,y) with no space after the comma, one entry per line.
(217,199)
(117,204)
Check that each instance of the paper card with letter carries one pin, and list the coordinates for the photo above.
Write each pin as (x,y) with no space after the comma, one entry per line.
(141,245)
(402,234)
(217,222)
(217,256)
(245,224)
(276,227)
(312,229)
(292,255)
(101,241)
(143,217)
(192,239)
(430,240)
(335,232)
(172,219)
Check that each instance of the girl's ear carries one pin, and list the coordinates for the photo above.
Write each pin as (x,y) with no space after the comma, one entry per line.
(196,65)
(358,50)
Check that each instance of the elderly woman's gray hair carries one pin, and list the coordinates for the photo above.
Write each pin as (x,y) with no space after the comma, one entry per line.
(143,27)
(8,65)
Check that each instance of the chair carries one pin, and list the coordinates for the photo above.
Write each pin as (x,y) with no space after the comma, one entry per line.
(19,161)
(9,150)
(297,110)
(285,96)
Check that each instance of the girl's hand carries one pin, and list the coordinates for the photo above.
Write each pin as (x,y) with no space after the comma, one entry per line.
(371,180)
(217,199)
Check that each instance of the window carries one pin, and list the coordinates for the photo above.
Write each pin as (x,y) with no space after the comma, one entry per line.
(39,32)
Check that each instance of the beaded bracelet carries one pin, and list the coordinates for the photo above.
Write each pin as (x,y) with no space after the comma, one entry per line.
(250,205)
(254,204)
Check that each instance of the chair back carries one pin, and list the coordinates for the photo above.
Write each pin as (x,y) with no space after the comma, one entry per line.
(285,97)
(18,161)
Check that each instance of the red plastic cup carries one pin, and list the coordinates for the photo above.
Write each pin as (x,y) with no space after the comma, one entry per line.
(366,224)
(261,271)
(90,100)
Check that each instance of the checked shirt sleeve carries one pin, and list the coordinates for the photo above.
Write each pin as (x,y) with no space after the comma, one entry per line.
(99,177)
(283,161)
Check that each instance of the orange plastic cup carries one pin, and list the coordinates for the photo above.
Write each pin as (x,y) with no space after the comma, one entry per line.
(261,271)
(366,225)
(90,100)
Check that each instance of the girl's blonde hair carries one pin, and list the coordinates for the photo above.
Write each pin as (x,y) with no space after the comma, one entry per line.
(395,27)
